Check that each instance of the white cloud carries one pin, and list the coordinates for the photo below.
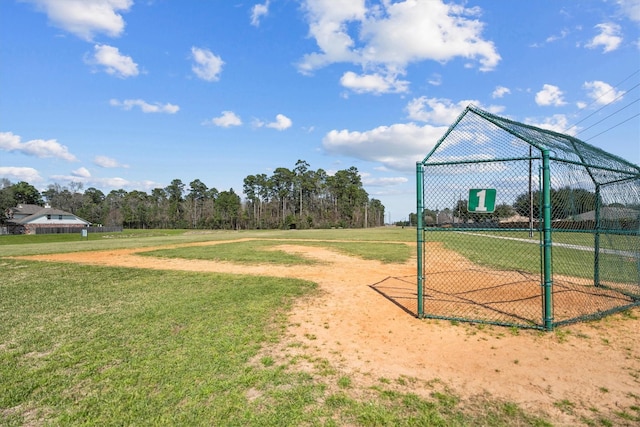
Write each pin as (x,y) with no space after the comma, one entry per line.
(631,8)
(370,181)
(207,65)
(145,107)
(20,173)
(435,80)
(282,122)
(560,36)
(373,83)
(37,147)
(397,147)
(440,111)
(609,37)
(114,62)
(392,35)
(108,162)
(227,119)
(328,26)
(557,123)
(81,173)
(500,91)
(85,18)
(602,93)
(258,11)
(115,182)
(550,95)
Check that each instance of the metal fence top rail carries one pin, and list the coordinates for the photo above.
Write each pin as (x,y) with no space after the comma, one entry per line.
(563,148)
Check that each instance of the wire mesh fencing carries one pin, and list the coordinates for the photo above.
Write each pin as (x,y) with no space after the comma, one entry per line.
(523,226)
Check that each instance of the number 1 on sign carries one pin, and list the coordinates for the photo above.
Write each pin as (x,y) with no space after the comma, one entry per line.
(482,195)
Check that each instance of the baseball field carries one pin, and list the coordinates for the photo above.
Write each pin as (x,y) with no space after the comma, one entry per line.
(280,328)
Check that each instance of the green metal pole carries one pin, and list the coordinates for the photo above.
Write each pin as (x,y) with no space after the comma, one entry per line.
(596,243)
(548,279)
(420,235)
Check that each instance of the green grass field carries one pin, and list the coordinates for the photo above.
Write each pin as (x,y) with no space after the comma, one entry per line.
(505,254)
(262,252)
(84,345)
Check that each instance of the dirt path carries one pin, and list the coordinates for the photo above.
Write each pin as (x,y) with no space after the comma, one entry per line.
(586,369)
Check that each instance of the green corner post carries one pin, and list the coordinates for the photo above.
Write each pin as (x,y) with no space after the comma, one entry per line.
(547,301)
(420,235)
(596,243)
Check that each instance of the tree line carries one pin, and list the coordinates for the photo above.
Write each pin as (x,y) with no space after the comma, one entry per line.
(288,198)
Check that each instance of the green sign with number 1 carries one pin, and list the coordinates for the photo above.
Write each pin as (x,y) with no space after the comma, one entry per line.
(482,200)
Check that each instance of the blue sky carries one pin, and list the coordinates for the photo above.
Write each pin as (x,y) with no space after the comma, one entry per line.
(133,94)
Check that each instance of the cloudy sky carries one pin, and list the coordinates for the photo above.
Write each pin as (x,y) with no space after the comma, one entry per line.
(132,94)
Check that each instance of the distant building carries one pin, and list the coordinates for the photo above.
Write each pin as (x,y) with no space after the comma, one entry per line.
(27,219)
(609,213)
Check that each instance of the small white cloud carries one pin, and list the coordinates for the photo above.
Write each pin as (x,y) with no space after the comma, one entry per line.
(107,162)
(550,95)
(500,91)
(37,147)
(435,80)
(227,119)
(257,123)
(282,122)
(85,18)
(258,11)
(115,182)
(145,107)
(207,65)
(81,173)
(20,173)
(113,61)
(609,37)
(441,111)
(556,123)
(373,83)
(383,181)
(564,33)
(602,93)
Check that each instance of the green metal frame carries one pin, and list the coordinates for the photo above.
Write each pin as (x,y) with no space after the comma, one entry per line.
(550,145)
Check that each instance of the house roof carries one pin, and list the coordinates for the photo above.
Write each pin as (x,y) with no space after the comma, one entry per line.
(31,212)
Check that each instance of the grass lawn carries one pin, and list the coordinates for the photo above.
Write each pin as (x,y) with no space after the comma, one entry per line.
(93,345)
(525,256)
(262,252)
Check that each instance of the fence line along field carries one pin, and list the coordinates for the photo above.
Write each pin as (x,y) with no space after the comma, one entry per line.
(272,328)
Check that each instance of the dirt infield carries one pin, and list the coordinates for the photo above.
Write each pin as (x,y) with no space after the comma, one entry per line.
(593,366)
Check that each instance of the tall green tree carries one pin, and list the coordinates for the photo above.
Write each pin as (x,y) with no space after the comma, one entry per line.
(114,203)
(25,193)
(228,208)
(175,190)
(196,198)
(93,206)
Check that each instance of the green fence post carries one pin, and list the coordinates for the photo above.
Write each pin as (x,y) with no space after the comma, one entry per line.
(547,301)
(596,243)
(420,234)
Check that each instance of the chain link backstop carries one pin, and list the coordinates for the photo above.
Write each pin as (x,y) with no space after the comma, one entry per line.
(524,227)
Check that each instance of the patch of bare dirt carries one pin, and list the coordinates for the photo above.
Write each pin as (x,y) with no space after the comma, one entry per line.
(584,369)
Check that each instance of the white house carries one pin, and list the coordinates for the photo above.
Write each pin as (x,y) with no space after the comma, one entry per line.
(26,219)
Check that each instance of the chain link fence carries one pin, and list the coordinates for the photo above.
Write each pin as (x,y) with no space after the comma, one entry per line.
(524,227)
